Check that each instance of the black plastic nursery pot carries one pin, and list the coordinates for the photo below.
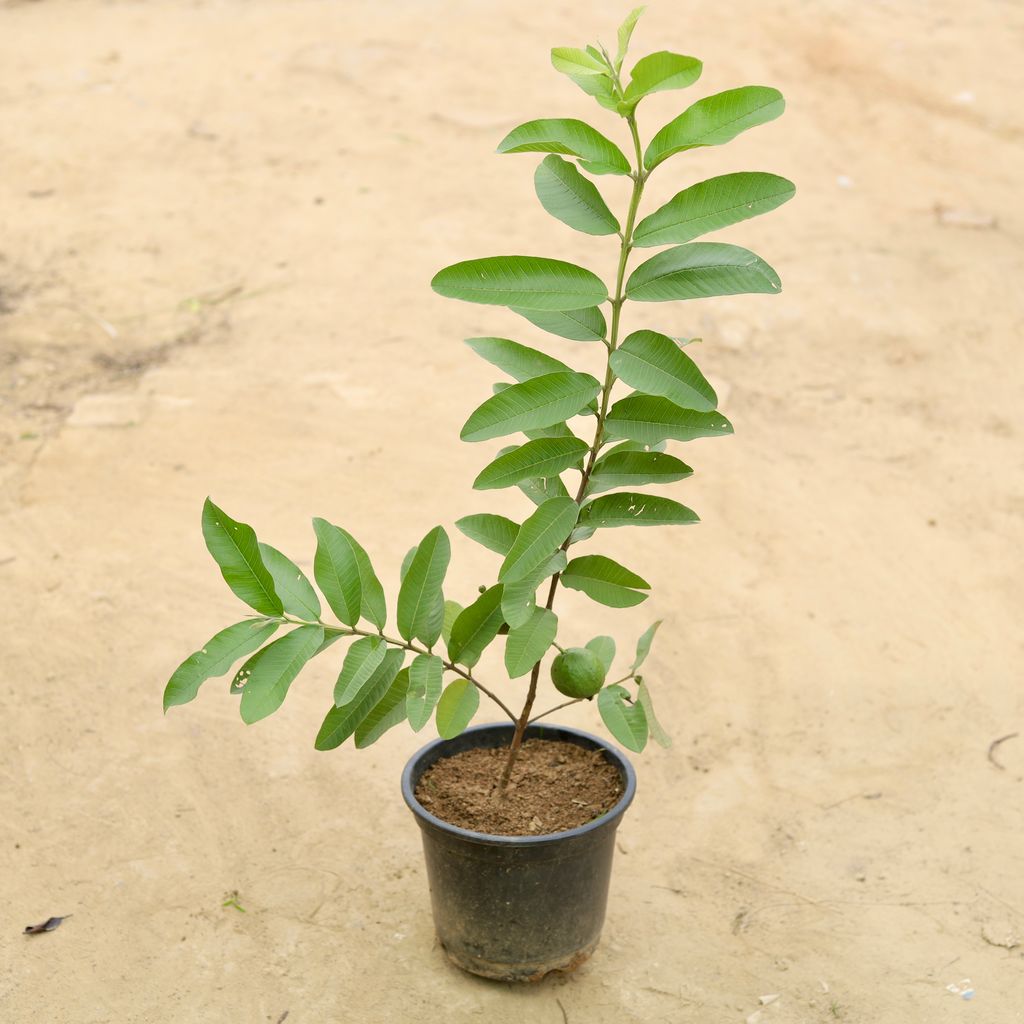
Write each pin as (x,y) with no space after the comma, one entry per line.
(515,908)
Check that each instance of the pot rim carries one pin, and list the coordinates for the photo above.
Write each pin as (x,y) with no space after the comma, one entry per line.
(610,817)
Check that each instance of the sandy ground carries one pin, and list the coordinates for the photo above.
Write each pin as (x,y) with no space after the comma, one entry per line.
(217,228)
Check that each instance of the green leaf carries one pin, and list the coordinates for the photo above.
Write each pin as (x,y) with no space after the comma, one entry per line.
(626,509)
(651,419)
(420,601)
(215,658)
(643,645)
(237,551)
(425,675)
(660,71)
(519,599)
(540,489)
(528,282)
(538,539)
(626,722)
(598,86)
(658,734)
(341,722)
(568,137)
(543,458)
(518,361)
(538,402)
(635,469)
(572,199)
(625,34)
(372,604)
(496,533)
(605,581)
(604,648)
(406,562)
(571,61)
(715,120)
(528,643)
(388,712)
(452,610)
(272,674)
(362,660)
(555,430)
(336,570)
(456,708)
(700,270)
(575,324)
(476,627)
(655,364)
(296,592)
(712,205)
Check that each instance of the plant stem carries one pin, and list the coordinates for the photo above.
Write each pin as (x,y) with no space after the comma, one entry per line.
(626,246)
(416,649)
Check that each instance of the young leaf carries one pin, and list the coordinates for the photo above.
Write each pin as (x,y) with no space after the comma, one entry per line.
(296,592)
(529,282)
(420,601)
(575,324)
(538,539)
(659,71)
(540,489)
(625,34)
(538,402)
(651,419)
(388,712)
(456,708)
(341,722)
(519,599)
(636,510)
(572,199)
(643,645)
(496,533)
(598,86)
(215,658)
(635,469)
(604,648)
(568,137)
(571,61)
(452,610)
(658,734)
(336,570)
(528,643)
(425,674)
(715,120)
(272,674)
(712,205)
(236,550)
(700,270)
(542,458)
(407,562)
(655,364)
(518,361)
(626,722)
(605,581)
(362,660)
(476,627)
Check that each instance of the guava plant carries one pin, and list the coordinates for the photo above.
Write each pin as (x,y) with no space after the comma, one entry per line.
(587,452)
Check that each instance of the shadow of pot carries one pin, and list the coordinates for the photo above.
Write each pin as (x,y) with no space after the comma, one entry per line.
(515,908)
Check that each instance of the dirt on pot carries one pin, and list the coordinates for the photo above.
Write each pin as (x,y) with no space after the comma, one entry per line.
(554,786)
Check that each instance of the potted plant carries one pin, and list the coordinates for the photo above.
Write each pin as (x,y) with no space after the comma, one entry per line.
(518,819)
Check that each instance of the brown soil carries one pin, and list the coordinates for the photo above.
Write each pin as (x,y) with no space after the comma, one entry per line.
(554,786)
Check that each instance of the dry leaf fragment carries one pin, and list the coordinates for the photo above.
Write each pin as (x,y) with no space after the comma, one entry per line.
(47,926)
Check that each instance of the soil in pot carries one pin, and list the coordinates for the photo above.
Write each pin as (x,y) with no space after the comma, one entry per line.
(554,786)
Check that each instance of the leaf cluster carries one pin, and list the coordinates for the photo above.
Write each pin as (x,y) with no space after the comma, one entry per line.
(590,447)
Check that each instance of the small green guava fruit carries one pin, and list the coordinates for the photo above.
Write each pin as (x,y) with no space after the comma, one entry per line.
(577,672)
